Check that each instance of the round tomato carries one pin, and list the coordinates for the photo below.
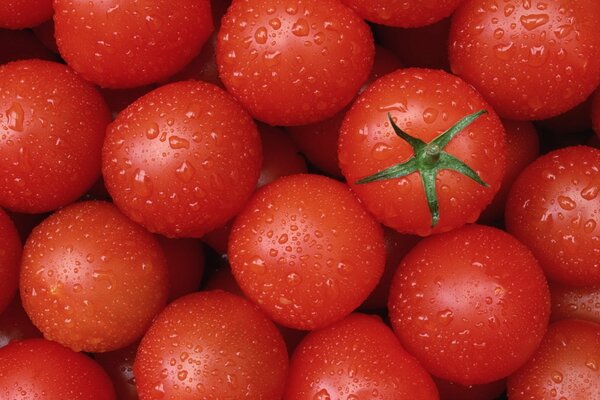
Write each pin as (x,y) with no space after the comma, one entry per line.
(19,14)
(211,345)
(403,13)
(452,166)
(10,257)
(130,43)
(52,124)
(293,62)
(41,369)
(471,305)
(182,160)
(569,302)
(357,358)
(565,366)
(91,279)
(554,208)
(306,251)
(530,59)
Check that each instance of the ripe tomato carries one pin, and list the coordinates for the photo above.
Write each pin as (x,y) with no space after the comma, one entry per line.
(293,62)
(182,160)
(357,358)
(91,279)
(10,257)
(306,251)
(553,207)
(19,14)
(580,303)
(403,13)
(211,345)
(424,103)
(471,305)
(52,124)
(565,365)
(118,365)
(132,43)
(41,369)
(530,59)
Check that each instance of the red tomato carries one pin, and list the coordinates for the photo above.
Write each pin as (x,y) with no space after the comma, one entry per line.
(306,251)
(211,345)
(132,43)
(15,324)
(45,34)
(424,103)
(293,62)
(173,156)
(564,366)
(471,305)
(580,303)
(185,261)
(52,125)
(118,365)
(522,148)
(529,59)
(553,207)
(10,257)
(203,67)
(41,369)
(357,358)
(91,279)
(403,13)
(19,14)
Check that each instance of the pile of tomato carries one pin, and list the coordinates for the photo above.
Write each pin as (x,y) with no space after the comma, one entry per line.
(300,199)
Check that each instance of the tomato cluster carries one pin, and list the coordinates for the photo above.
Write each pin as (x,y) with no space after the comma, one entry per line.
(300,199)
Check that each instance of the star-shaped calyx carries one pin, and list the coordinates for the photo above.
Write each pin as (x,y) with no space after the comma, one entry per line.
(428,159)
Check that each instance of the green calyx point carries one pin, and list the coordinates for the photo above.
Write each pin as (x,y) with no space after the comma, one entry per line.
(428,159)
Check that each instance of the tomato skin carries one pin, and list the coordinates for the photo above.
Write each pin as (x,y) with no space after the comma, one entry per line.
(531,60)
(211,345)
(91,279)
(553,207)
(53,123)
(155,39)
(425,103)
(293,62)
(575,303)
(171,157)
(306,251)
(41,369)
(402,13)
(118,365)
(19,14)
(358,358)
(10,258)
(564,366)
(471,305)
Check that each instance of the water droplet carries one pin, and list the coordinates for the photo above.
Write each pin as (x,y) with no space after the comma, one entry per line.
(294,279)
(592,364)
(15,117)
(177,142)
(504,51)
(566,203)
(181,375)
(154,22)
(283,239)
(590,192)
(445,317)
(589,226)
(557,377)
(257,265)
(141,183)
(508,10)
(272,58)
(275,23)
(261,35)
(537,56)
(430,115)
(185,172)
(301,27)
(498,33)
(532,21)
(399,106)
(322,394)
(562,31)
(381,151)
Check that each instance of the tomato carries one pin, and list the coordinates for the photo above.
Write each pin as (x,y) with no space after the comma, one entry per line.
(471,305)
(118,365)
(293,62)
(426,104)
(91,279)
(306,251)
(569,302)
(522,148)
(15,324)
(553,207)
(128,44)
(564,366)
(52,124)
(203,67)
(185,261)
(41,369)
(357,358)
(211,345)
(403,13)
(530,59)
(173,156)
(10,257)
(19,14)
